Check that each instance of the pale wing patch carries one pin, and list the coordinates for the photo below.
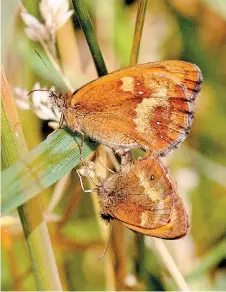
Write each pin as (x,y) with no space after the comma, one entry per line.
(127,84)
(151,192)
(161,93)
(144,218)
(145,109)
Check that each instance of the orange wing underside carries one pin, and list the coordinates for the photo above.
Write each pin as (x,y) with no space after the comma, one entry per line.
(176,228)
(146,201)
(148,106)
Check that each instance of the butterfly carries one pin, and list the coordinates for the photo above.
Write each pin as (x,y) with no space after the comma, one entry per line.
(151,107)
(143,197)
(147,106)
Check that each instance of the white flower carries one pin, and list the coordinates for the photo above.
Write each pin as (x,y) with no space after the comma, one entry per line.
(35,30)
(39,102)
(55,13)
(22,99)
(43,107)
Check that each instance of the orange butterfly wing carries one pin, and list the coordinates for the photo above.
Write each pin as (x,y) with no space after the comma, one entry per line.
(147,106)
(177,227)
(141,195)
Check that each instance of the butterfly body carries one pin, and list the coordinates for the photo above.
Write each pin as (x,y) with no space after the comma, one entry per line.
(143,197)
(148,106)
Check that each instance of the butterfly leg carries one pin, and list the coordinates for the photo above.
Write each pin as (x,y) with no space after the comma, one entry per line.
(97,157)
(61,122)
(81,182)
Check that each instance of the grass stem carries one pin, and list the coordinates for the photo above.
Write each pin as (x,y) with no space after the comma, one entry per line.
(170,264)
(138,31)
(86,24)
(139,239)
(31,216)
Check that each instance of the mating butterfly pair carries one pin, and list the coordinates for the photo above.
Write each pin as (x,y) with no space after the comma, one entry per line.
(151,107)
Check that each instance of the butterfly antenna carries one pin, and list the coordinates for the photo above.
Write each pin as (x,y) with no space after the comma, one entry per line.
(54,80)
(30,92)
(107,245)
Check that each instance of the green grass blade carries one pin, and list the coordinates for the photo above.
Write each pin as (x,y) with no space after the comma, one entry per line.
(31,216)
(208,261)
(140,261)
(123,32)
(85,22)
(58,154)
(138,31)
(41,168)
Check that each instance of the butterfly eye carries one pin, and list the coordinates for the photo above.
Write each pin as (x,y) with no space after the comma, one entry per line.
(152,177)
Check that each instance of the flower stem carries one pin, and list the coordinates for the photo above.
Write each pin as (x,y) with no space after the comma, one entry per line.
(56,66)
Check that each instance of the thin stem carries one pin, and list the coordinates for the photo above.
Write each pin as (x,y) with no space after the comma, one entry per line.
(86,24)
(71,206)
(58,192)
(138,31)
(159,244)
(139,239)
(69,54)
(118,246)
(140,257)
(56,66)
(208,262)
(170,264)
(51,53)
(105,230)
(31,216)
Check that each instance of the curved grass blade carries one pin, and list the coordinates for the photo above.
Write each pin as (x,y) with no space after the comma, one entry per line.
(86,24)
(41,168)
(208,262)
(31,216)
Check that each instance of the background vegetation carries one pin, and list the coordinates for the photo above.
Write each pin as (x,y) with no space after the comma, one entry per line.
(191,30)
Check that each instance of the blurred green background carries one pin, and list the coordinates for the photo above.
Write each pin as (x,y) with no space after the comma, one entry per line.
(190,30)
